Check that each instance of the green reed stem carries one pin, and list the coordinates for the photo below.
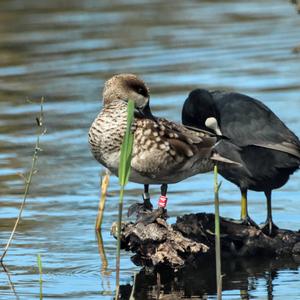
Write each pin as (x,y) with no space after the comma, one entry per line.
(37,149)
(39,262)
(217,234)
(124,172)
(119,238)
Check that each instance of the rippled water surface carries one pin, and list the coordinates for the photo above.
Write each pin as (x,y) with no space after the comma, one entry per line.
(64,50)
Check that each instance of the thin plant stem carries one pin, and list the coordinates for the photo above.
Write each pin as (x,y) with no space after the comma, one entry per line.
(217,234)
(32,171)
(124,173)
(12,287)
(119,241)
(131,297)
(39,262)
(104,186)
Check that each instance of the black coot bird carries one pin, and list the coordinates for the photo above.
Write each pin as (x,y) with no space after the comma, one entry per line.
(252,135)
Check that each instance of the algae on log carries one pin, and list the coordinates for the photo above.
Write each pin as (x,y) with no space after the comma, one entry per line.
(192,238)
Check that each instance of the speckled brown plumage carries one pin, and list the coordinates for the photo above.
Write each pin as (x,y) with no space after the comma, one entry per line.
(163,151)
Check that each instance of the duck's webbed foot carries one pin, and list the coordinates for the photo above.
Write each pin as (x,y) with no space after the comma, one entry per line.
(140,208)
(144,211)
(151,216)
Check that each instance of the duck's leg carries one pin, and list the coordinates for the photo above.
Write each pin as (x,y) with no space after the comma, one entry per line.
(269,227)
(162,202)
(146,198)
(139,208)
(149,217)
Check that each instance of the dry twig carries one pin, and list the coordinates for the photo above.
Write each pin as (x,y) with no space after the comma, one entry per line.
(40,131)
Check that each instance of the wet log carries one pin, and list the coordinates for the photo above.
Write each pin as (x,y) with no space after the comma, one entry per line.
(191,239)
(158,243)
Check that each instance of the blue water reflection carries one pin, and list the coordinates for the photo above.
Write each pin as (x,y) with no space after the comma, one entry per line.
(65,51)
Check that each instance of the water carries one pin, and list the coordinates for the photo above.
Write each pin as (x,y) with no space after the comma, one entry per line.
(64,51)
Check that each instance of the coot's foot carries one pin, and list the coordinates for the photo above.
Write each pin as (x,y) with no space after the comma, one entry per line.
(269,228)
(247,221)
(149,217)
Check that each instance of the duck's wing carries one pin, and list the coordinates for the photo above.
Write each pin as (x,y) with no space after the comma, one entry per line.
(169,137)
(192,128)
(178,133)
(189,141)
(159,147)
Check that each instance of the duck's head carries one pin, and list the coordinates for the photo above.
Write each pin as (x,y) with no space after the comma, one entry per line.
(126,87)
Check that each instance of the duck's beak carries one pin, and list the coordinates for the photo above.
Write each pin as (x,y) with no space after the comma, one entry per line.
(144,112)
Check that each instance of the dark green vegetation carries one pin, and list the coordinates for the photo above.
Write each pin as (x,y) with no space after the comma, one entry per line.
(124,173)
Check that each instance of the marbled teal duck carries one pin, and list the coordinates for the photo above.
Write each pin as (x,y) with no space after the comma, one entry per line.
(253,136)
(163,152)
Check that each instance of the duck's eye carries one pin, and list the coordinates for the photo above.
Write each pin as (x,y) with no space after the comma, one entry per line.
(142,91)
(138,88)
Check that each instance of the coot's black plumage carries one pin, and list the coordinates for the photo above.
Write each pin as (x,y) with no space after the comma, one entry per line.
(252,135)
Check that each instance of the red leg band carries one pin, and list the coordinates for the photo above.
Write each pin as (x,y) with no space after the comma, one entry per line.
(162,202)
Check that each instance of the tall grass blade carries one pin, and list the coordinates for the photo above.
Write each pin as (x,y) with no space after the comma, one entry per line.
(124,172)
(126,148)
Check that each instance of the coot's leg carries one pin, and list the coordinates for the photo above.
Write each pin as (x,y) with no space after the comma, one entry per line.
(244,205)
(245,219)
(269,227)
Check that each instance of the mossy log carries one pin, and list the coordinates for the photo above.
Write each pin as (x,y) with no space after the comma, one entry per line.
(192,238)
